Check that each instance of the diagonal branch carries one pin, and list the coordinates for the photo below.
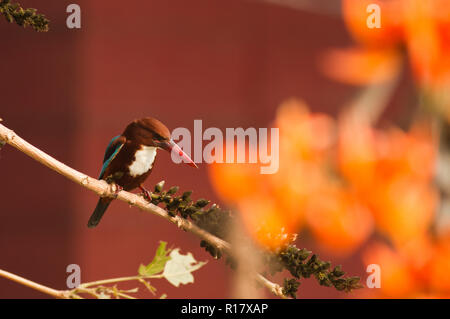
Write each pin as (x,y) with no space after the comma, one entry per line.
(104,189)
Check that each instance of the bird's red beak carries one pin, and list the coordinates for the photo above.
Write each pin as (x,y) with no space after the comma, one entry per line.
(176,151)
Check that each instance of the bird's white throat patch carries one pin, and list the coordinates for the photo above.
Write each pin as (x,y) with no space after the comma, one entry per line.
(143,160)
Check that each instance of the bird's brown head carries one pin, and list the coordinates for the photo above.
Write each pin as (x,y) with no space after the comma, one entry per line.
(149,131)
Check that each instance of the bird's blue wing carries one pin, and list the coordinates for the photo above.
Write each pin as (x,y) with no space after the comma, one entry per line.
(111,151)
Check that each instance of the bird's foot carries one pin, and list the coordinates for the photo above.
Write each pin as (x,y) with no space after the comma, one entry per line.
(117,190)
(145,193)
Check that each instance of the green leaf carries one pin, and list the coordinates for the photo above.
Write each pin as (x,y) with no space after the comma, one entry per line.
(142,270)
(202,203)
(158,263)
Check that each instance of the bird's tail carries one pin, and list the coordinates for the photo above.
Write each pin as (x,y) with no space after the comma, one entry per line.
(100,209)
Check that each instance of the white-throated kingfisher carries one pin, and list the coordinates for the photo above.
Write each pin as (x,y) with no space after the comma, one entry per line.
(129,159)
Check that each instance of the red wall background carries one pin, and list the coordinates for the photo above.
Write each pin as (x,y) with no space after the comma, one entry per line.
(229,63)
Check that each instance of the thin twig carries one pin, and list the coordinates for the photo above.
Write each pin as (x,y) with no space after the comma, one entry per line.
(121,279)
(104,189)
(31,284)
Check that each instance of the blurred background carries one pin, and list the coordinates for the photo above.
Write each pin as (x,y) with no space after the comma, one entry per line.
(364,146)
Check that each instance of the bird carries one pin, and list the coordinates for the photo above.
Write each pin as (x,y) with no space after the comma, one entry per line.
(129,159)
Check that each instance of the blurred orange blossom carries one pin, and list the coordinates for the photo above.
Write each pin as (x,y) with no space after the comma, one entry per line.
(414,29)
(339,177)
(347,181)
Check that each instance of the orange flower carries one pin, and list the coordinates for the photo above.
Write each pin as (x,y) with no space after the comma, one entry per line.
(418,269)
(356,15)
(427,29)
(265,221)
(427,40)
(391,172)
(440,268)
(361,66)
(292,192)
(357,156)
(339,221)
(235,181)
(304,136)
(404,209)
(305,142)
(421,27)
(342,181)
(397,281)
(406,154)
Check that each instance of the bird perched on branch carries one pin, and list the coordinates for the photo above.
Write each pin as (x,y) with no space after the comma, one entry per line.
(129,159)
